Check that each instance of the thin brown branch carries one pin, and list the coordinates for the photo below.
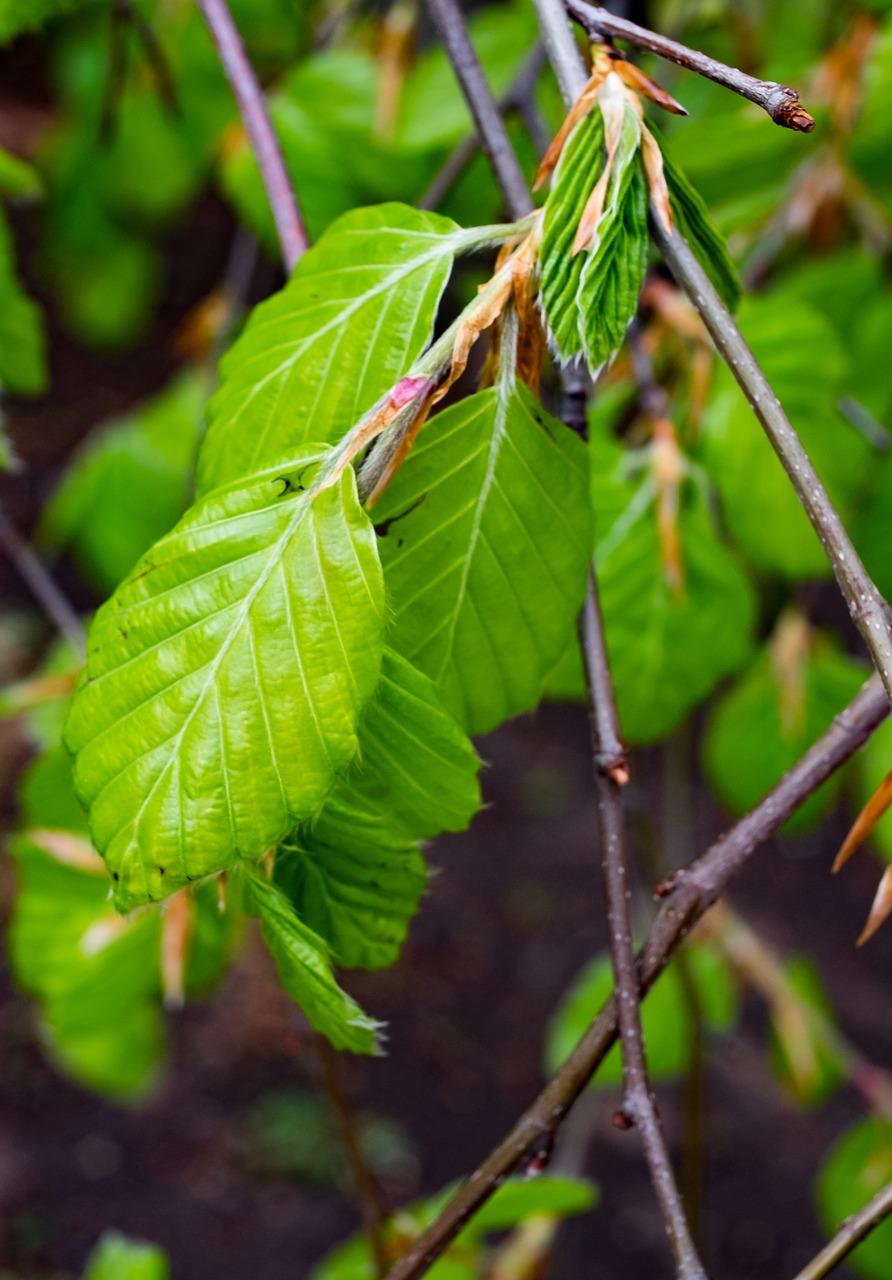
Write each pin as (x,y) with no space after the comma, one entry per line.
(639,1106)
(850,1234)
(264,143)
(779,100)
(453,32)
(867,607)
(52,600)
(371,1202)
(690,895)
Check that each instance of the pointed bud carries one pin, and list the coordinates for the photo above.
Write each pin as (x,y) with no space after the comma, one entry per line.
(865,822)
(881,909)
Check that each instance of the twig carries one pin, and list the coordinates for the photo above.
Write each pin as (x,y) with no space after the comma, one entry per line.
(55,604)
(452,30)
(374,1214)
(851,1233)
(779,100)
(689,896)
(264,144)
(639,1105)
(515,99)
(867,607)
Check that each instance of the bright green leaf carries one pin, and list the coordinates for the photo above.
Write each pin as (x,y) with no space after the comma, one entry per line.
(357,311)
(225,679)
(485,542)
(117,1257)
(353,873)
(305,971)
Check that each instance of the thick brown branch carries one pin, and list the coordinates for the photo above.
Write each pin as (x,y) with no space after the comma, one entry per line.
(779,100)
(264,143)
(695,890)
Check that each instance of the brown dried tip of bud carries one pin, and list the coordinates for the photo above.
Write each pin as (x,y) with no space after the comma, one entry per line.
(618,773)
(791,114)
(621,1120)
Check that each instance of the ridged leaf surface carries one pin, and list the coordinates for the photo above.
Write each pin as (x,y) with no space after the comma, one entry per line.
(487,531)
(225,679)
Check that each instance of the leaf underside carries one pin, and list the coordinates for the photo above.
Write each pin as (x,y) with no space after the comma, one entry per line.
(357,311)
(486,537)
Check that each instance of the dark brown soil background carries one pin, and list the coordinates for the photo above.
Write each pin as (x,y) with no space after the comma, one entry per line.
(514,912)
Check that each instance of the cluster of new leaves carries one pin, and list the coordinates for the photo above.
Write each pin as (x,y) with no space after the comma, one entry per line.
(280,691)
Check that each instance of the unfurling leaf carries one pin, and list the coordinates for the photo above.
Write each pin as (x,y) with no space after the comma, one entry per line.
(594,247)
(225,680)
(485,543)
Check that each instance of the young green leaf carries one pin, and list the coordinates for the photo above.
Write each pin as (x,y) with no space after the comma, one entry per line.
(116,1257)
(23,368)
(855,1169)
(590,296)
(773,714)
(485,543)
(225,679)
(354,874)
(127,485)
(305,970)
(357,311)
(578,169)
